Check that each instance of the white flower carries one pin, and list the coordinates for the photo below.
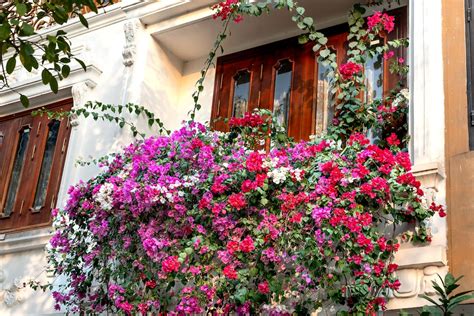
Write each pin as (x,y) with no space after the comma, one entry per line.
(270,163)
(405,93)
(279,174)
(104,196)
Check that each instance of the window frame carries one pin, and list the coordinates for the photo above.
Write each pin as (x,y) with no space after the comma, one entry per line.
(303,118)
(470,71)
(23,215)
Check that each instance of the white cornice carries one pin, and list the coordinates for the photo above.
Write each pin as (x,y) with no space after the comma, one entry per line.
(23,241)
(420,257)
(40,94)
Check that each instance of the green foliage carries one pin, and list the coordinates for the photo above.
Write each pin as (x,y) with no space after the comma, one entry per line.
(447,301)
(21,45)
(111,113)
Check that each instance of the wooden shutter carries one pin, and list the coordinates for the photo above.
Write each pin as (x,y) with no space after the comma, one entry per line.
(37,181)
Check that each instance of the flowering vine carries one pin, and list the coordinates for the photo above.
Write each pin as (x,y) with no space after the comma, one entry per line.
(249,222)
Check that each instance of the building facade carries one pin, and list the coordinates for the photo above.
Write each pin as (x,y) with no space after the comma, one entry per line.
(151,53)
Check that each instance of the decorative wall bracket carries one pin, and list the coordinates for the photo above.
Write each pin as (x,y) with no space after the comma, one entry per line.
(11,293)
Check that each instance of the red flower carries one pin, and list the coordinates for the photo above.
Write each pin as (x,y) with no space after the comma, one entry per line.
(249,120)
(395,285)
(296,218)
(229,272)
(392,267)
(232,246)
(349,69)
(237,201)
(438,208)
(263,287)
(170,264)
(392,140)
(247,245)
(150,284)
(226,8)
(248,185)
(383,19)
(254,162)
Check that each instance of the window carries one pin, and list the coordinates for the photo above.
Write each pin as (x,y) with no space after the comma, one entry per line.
(33,150)
(470,70)
(286,78)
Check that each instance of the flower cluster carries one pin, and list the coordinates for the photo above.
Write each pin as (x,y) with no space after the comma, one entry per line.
(197,222)
(349,69)
(382,21)
(227,8)
(203,222)
(249,120)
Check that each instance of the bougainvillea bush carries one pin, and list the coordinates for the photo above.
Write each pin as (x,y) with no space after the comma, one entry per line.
(199,222)
(246,222)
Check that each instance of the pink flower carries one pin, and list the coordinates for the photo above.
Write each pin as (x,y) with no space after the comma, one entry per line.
(388,55)
(374,20)
(170,264)
(247,245)
(263,287)
(229,272)
(237,201)
(54,212)
(349,69)
(401,60)
(126,307)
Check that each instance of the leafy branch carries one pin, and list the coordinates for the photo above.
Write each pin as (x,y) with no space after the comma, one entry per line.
(111,113)
(19,41)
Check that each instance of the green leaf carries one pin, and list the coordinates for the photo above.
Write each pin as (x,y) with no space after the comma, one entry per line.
(325,53)
(21,9)
(11,63)
(303,39)
(308,21)
(429,299)
(53,84)
(81,63)
(4,31)
(456,301)
(45,75)
(300,10)
(27,29)
(323,40)
(83,20)
(65,70)
(24,100)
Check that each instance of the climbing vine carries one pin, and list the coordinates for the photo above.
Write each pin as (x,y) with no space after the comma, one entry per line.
(249,222)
